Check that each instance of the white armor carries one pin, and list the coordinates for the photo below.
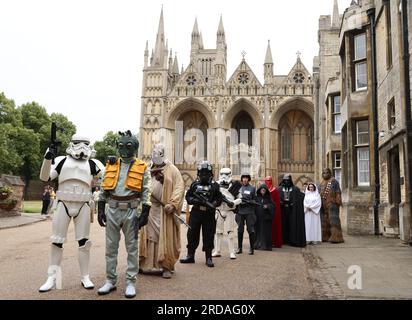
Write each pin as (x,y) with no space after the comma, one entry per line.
(225,216)
(75,173)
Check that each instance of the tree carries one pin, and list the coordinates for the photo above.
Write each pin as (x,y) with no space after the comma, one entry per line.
(19,151)
(34,116)
(107,147)
(10,161)
(25,136)
(8,112)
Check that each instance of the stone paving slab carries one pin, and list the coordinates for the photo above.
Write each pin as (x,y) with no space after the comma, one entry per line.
(18,221)
(386,266)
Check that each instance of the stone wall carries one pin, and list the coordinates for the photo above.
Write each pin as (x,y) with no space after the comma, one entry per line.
(17,184)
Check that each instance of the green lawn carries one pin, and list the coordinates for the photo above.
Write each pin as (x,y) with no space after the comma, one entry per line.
(32,206)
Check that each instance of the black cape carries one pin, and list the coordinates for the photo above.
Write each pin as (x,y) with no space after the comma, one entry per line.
(264,219)
(293,219)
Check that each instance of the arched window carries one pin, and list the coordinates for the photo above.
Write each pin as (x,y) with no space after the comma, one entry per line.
(286,143)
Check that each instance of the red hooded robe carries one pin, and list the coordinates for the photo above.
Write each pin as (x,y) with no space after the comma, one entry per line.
(277,241)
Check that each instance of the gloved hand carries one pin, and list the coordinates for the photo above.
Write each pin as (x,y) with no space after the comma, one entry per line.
(101,214)
(230,204)
(112,160)
(51,153)
(144,216)
(169,209)
(195,201)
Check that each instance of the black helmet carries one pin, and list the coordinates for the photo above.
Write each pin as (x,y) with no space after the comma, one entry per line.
(246,175)
(205,172)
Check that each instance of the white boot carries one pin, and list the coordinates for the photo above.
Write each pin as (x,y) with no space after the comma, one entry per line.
(218,242)
(231,244)
(107,288)
(84,258)
(130,291)
(54,272)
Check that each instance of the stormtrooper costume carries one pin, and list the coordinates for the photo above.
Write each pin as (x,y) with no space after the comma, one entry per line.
(225,219)
(75,173)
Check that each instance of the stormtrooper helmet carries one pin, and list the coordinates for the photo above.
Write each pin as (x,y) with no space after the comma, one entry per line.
(225,176)
(79,148)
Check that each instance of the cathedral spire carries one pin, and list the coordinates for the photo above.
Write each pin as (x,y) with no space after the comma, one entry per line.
(220,29)
(221,38)
(195,31)
(268,58)
(336,16)
(146,54)
(160,46)
(175,69)
(170,61)
(200,41)
(196,39)
(268,66)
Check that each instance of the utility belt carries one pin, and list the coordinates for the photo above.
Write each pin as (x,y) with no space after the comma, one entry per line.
(124,203)
(201,208)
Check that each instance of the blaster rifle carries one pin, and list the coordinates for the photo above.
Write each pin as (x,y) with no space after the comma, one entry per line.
(204,200)
(54,143)
(253,202)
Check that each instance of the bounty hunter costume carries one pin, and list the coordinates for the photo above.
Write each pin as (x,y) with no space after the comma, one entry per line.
(225,215)
(126,185)
(205,196)
(159,247)
(75,173)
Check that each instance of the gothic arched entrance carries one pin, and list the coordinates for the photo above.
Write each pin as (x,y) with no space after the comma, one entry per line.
(296,144)
(243,140)
(195,127)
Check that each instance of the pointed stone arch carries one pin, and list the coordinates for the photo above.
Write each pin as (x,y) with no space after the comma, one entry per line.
(246,106)
(187,105)
(292,104)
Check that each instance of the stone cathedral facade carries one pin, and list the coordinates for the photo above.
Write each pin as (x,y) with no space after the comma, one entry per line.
(275,118)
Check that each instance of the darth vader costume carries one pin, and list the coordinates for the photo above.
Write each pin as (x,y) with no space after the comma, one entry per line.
(293,214)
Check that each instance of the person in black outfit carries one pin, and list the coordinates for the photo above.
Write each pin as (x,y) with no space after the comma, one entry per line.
(205,196)
(293,214)
(246,213)
(46,200)
(265,212)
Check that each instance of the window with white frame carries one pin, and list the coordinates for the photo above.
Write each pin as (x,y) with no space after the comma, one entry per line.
(391,114)
(362,153)
(336,115)
(337,166)
(360,64)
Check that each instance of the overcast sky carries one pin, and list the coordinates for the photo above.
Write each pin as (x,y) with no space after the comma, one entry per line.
(84,58)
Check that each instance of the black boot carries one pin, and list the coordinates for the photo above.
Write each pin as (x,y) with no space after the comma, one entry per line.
(251,243)
(190,258)
(239,243)
(209,261)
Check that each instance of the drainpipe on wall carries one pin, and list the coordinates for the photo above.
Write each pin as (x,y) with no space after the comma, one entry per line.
(376,203)
(408,119)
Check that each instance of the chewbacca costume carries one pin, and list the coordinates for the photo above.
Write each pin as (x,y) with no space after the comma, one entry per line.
(331,201)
